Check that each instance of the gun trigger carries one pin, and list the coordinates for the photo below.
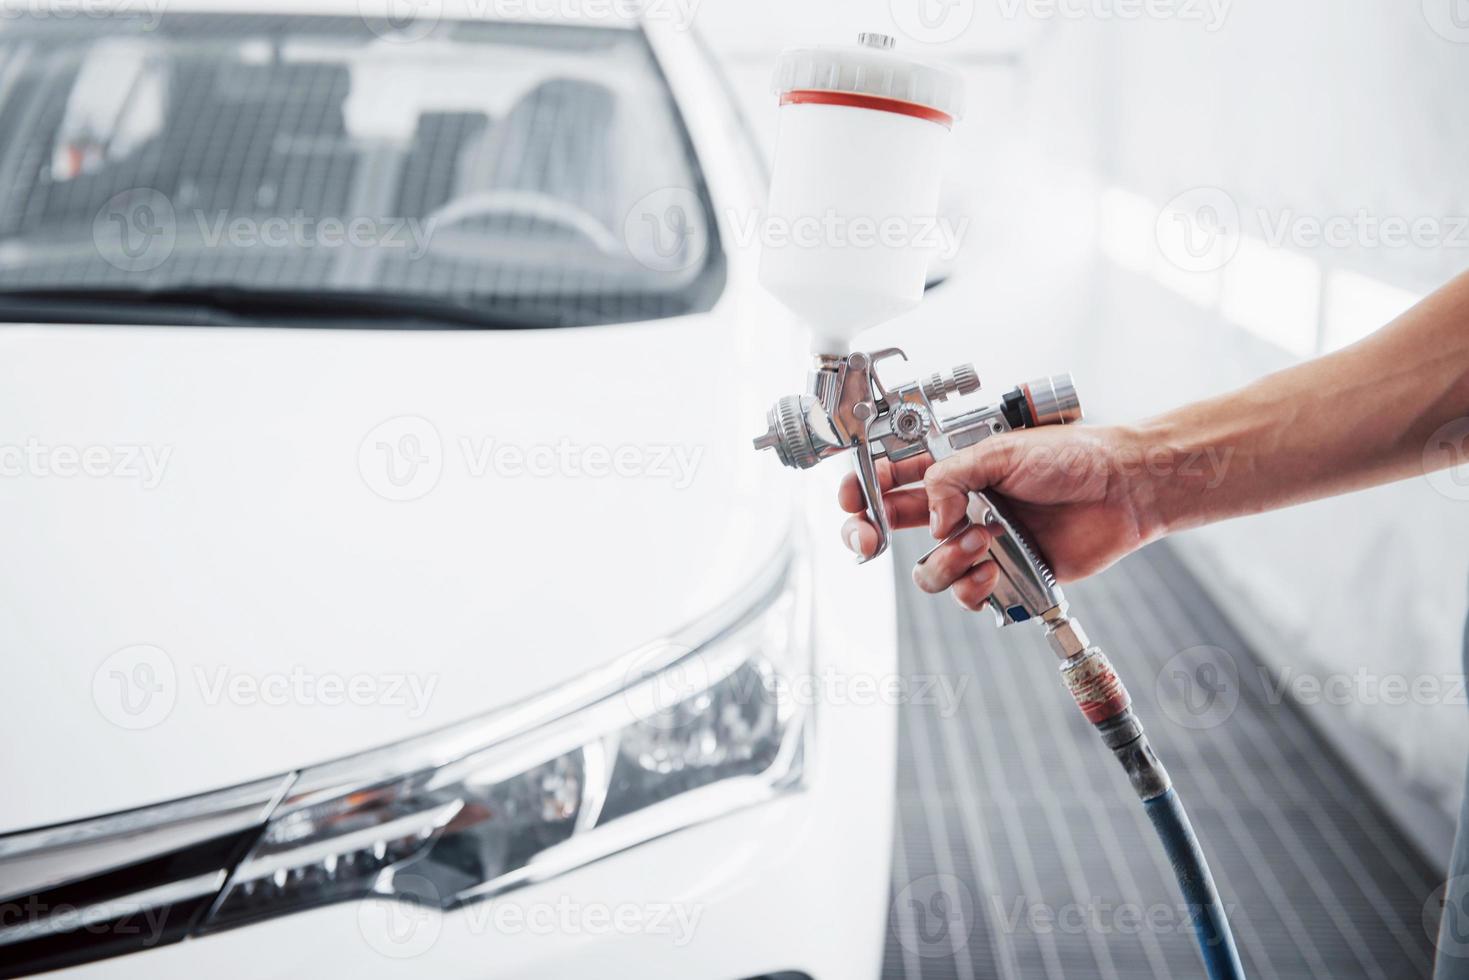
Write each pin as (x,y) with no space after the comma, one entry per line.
(964,525)
(872,496)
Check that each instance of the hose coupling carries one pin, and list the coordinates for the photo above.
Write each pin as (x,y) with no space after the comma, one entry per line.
(1095,686)
(1102,698)
(1064,634)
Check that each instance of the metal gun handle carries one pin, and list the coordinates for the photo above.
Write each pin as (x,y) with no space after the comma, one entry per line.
(862,398)
(877,512)
(1026,588)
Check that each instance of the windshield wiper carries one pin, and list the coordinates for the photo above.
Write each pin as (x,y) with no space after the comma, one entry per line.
(238,306)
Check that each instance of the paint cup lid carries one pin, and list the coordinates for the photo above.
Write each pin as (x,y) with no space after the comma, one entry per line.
(869,75)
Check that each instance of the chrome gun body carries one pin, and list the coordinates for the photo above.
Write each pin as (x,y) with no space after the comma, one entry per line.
(847,407)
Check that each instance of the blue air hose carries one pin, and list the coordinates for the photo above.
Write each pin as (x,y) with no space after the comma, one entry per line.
(1099,693)
(1216,942)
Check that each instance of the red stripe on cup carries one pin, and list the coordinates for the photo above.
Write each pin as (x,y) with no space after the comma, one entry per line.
(808,96)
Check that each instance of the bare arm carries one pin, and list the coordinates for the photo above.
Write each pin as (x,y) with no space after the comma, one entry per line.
(1357,418)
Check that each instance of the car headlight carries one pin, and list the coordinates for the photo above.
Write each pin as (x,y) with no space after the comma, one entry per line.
(681,732)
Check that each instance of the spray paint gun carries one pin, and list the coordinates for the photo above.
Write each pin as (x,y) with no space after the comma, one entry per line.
(848,408)
(861,136)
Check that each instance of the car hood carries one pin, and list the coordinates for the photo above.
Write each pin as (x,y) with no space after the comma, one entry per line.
(229,553)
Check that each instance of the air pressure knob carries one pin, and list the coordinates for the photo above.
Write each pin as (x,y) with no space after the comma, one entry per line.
(1052,400)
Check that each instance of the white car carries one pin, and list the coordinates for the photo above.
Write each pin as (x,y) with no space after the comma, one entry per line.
(389,585)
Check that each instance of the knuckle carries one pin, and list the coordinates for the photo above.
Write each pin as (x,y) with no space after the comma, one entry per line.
(968,596)
(938,580)
(940,473)
(955,562)
(940,490)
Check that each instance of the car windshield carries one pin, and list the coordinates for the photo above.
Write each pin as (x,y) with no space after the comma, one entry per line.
(527,174)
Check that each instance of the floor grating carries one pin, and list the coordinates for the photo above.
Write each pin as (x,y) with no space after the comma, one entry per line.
(1021,852)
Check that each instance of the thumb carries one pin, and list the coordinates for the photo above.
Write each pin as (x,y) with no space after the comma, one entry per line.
(949,481)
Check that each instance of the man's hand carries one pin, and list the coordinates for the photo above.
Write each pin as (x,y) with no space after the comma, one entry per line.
(1079,492)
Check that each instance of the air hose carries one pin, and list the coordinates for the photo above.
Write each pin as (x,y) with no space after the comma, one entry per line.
(1100,695)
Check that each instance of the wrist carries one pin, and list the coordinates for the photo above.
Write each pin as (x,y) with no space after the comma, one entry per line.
(1171,479)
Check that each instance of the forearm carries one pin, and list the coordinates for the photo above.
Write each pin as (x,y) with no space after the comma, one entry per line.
(1357,418)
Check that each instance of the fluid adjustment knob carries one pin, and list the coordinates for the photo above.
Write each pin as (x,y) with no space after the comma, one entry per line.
(963,380)
(966,379)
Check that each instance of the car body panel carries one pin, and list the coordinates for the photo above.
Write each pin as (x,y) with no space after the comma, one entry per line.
(798,884)
(267,551)
(269,544)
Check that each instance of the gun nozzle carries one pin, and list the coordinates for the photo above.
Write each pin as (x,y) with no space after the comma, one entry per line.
(788,433)
(771,440)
